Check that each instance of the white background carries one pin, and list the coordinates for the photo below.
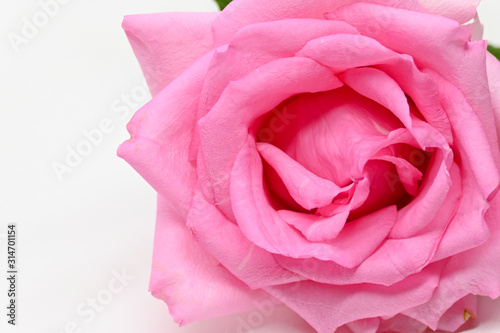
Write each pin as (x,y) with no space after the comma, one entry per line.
(75,234)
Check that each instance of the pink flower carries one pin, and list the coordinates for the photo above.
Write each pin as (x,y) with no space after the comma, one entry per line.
(339,157)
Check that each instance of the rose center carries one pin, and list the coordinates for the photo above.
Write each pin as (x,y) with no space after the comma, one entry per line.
(343,138)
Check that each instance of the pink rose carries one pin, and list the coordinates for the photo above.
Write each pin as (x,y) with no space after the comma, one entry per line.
(337,156)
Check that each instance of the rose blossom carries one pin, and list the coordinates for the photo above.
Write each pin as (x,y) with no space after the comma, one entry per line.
(339,157)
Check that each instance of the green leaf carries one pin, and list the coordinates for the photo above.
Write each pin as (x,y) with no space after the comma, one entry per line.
(223,3)
(495,51)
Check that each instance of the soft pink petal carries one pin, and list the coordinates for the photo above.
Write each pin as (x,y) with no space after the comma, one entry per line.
(334,133)
(413,253)
(327,307)
(242,13)
(225,241)
(345,131)
(401,323)
(493,69)
(468,228)
(353,241)
(477,28)
(263,226)
(383,191)
(355,197)
(315,228)
(191,281)
(361,237)
(463,311)
(440,44)
(471,142)
(254,46)
(342,52)
(381,88)
(394,260)
(309,190)
(224,130)
(167,43)
(429,201)
(368,325)
(161,133)
(462,11)
(408,174)
(258,44)
(471,272)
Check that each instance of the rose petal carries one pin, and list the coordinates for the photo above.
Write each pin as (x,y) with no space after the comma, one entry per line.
(471,272)
(245,12)
(477,28)
(366,232)
(462,312)
(182,270)
(462,11)
(408,174)
(368,325)
(381,88)
(493,69)
(394,260)
(401,323)
(334,133)
(225,241)
(430,200)
(258,44)
(309,190)
(327,307)
(471,141)
(468,228)
(167,43)
(161,133)
(316,228)
(254,46)
(383,191)
(441,45)
(224,130)
(263,226)
(343,52)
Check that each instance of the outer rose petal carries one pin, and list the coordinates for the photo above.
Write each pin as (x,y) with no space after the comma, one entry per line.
(245,12)
(161,133)
(255,45)
(401,323)
(459,314)
(476,28)
(368,325)
(472,272)
(468,228)
(342,52)
(183,270)
(225,241)
(167,43)
(471,143)
(327,307)
(493,70)
(462,11)
(441,45)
